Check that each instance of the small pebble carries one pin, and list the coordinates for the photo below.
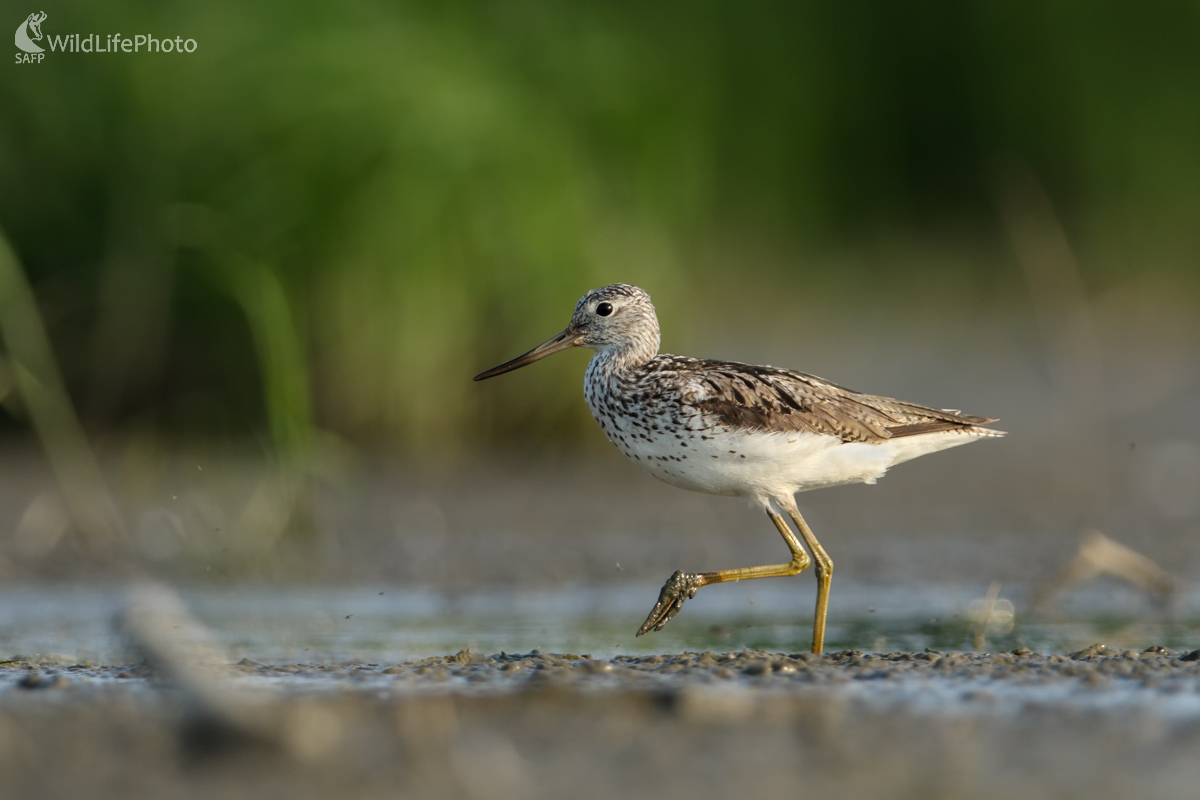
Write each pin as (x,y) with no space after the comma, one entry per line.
(43,680)
(1097,649)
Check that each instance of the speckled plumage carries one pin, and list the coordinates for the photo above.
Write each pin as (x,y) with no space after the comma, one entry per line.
(728,428)
(724,427)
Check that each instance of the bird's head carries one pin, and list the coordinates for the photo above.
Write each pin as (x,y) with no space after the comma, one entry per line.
(615,317)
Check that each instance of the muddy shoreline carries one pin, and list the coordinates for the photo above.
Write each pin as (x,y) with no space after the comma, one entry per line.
(755,723)
(1156,667)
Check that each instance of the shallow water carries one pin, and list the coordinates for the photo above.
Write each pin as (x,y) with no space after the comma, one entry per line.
(387,624)
(355,692)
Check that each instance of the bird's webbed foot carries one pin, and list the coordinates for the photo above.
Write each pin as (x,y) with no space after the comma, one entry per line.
(679,587)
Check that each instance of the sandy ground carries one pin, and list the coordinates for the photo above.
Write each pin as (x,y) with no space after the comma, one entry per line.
(753,723)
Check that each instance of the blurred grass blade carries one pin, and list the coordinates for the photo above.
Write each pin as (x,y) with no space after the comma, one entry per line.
(282,360)
(1069,331)
(41,388)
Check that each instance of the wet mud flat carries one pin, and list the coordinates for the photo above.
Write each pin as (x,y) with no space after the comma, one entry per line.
(754,723)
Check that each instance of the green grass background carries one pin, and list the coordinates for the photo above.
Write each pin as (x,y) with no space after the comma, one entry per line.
(330,216)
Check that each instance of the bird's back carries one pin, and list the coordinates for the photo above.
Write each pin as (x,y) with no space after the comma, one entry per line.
(725,427)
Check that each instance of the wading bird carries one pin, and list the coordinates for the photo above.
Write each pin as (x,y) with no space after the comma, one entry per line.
(728,428)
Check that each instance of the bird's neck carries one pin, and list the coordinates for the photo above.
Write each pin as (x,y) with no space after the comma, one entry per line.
(621,360)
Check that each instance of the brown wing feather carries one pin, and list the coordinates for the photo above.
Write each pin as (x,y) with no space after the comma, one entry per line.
(770,399)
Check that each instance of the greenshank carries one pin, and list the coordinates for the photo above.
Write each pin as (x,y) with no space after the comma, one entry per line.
(727,428)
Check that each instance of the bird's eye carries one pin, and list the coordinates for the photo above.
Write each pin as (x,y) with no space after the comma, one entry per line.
(604,309)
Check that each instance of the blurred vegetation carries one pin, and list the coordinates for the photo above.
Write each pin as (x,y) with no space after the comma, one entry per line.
(330,216)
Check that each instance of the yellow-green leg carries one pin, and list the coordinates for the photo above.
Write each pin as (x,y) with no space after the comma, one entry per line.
(683,585)
(824,569)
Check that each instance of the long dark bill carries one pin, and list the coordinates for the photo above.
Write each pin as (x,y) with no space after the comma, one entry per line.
(563,341)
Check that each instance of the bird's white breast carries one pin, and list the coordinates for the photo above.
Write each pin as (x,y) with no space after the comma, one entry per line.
(763,465)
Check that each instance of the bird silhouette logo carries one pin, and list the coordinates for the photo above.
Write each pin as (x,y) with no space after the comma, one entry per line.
(30,31)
